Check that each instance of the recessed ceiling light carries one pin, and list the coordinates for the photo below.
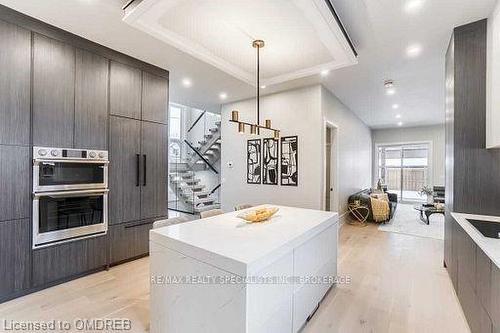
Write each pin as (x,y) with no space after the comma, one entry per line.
(398,116)
(222,95)
(390,91)
(400,123)
(413,6)
(325,72)
(186,82)
(395,106)
(413,50)
(263,86)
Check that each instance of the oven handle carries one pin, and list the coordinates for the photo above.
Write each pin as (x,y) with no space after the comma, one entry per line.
(67,194)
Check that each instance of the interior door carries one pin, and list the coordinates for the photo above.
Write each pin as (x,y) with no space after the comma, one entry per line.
(155,175)
(124,170)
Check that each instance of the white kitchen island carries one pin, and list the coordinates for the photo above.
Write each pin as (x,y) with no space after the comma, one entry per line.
(221,274)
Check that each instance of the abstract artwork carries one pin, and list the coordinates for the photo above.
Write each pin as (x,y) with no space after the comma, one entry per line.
(289,161)
(253,161)
(270,161)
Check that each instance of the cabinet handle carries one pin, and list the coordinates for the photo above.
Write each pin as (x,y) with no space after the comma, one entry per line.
(145,169)
(137,166)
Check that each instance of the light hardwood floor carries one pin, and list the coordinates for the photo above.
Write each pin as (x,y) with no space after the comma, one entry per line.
(397,284)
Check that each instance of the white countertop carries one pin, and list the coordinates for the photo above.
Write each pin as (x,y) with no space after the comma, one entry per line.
(490,246)
(231,244)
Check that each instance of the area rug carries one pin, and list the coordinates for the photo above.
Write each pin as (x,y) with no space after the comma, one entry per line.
(407,221)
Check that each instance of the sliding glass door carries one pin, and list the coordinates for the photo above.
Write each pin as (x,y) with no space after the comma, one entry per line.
(404,169)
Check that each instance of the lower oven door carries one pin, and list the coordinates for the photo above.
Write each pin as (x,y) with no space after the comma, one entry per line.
(68,215)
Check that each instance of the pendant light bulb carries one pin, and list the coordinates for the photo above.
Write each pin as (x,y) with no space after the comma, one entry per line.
(253,129)
(276,134)
(241,128)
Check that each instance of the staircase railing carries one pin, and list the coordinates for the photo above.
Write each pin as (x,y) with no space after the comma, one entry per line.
(210,166)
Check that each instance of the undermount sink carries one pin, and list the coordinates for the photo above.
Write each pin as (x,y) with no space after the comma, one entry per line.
(487,228)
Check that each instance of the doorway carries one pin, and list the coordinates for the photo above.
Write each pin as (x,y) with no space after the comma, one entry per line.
(330,197)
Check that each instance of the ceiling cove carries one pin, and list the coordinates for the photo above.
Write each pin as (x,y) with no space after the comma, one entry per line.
(303,37)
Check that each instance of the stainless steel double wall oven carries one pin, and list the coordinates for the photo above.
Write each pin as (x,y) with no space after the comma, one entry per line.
(70,194)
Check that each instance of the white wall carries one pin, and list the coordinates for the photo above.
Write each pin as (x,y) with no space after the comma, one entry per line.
(434,134)
(299,112)
(354,147)
(294,112)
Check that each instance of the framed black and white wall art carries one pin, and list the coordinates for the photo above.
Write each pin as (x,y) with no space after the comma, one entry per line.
(270,165)
(254,163)
(289,161)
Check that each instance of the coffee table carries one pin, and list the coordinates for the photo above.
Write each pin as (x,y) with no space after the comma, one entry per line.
(428,211)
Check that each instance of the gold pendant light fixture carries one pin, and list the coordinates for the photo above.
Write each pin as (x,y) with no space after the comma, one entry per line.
(255,128)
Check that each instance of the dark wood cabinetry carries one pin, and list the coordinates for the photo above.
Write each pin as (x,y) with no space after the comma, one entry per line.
(60,90)
(138,182)
(15,248)
(91,101)
(63,261)
(125,91)
(15,69)
(154,98)
(472,273)
(14,182)
(155,168)
(124,170)
(53,92)
(129,240)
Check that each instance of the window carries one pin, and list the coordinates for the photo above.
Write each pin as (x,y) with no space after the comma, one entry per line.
(175,122)
(404,169)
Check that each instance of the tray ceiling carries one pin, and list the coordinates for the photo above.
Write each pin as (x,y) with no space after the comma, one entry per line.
(302,36)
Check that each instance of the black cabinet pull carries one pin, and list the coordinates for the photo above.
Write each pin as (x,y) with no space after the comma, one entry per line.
(137,166)
(145,169)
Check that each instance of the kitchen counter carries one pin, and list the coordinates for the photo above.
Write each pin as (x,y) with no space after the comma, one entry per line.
(490,246)
(231,276)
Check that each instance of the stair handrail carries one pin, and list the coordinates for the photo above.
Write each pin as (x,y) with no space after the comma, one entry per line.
(201,156)
(196,121)
(215,188)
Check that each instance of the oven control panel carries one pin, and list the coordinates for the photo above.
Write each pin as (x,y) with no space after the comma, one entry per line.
(69,153)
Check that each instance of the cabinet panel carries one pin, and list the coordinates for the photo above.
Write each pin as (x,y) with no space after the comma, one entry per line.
(53,92)
(495,295)
(129,240)
(453,264)
(448,234)
(154,98)
(154,178)
(91,101)
(483,279)
(14,189)
(14,257)
(15,69)
(467,257)
(125,91)
(124,182)
(66,260)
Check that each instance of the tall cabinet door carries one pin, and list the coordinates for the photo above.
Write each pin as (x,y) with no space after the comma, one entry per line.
(154,98)
(14,182)
(91,101)
(124,170)
(15,65)
(154,178)
(125,91)
(53,92)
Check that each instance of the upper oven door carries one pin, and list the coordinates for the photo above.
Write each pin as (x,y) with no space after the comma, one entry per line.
(57,175)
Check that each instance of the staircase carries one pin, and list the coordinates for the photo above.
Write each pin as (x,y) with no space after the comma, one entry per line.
(192,195)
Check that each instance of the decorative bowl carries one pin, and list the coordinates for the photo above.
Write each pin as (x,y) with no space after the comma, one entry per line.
(258,214)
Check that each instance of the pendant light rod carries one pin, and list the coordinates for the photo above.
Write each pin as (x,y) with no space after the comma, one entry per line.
(258,44)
